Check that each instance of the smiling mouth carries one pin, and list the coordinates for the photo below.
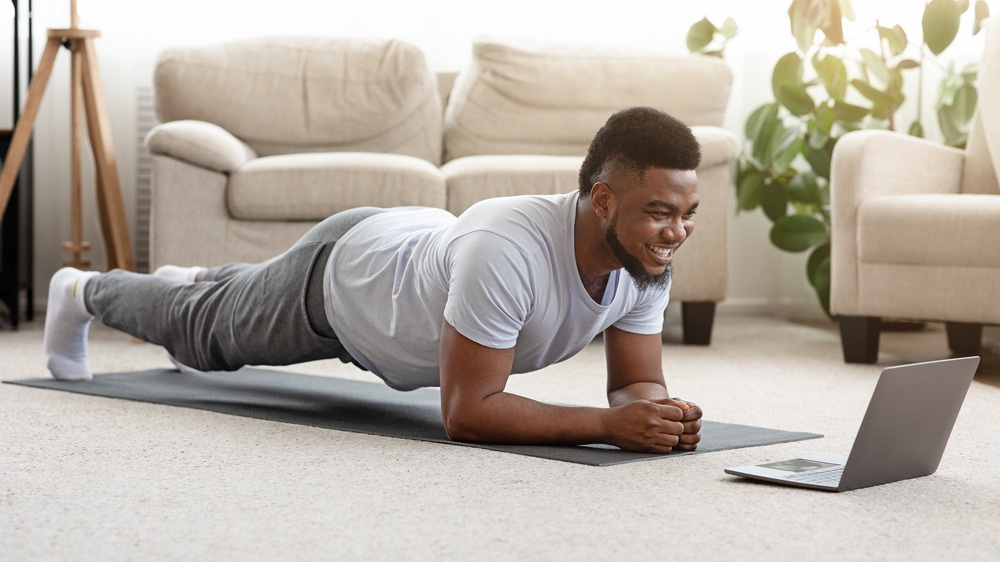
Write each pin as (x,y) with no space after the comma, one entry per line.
(665,254)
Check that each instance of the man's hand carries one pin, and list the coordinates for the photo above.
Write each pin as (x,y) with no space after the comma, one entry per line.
(691,421)
(645,426)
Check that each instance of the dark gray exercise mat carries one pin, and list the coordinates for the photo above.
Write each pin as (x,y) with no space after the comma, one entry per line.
(362,407)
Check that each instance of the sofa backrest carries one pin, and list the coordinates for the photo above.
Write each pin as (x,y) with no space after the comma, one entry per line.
(982,156)
(520,97)
(307,94)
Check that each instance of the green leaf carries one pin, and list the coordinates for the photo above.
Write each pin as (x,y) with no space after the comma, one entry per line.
(795,146)
(729,29)
(870,92)
(820,280)
(907,64)
(797,233)
(950,130)
(817,257)
(819,159)
(758,119)
(916,129)
(824,123)
(700,35)
(875,65)
(896,38)
(803,188)
(964,104)
(787,71)
(844,111)
(748,188)
(982,12)
(940,24)
(833,73)
(773,201)
(804,22)
(846,9)
(786,82)
(834,28)
(795,99)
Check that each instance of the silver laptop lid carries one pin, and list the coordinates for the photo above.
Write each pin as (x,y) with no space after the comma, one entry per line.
(908,422)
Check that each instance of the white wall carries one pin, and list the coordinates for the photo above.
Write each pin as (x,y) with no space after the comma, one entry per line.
(761,277)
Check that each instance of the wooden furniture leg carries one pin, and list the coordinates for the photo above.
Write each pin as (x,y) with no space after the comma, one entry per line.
(22,133)
(76,245)
(859,337)
(109,190)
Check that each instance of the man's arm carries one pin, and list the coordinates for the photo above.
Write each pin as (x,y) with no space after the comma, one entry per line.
(635,374)
(475,407)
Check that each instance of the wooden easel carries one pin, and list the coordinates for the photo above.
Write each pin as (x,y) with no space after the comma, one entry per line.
(87,94)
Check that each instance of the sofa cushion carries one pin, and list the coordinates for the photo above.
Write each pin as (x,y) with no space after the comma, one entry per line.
(304,94)
(475,178)
(315,186)
(550,98)
(948,230)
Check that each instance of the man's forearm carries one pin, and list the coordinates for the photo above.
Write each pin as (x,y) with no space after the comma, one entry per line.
(637,391)
(505,418)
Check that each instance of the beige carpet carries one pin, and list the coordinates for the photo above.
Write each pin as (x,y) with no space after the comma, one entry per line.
(87,478)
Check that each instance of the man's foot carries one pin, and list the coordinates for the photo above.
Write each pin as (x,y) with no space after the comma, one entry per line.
(177,273)
(66,324)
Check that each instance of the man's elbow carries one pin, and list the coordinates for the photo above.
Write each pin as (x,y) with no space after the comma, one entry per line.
(461,427)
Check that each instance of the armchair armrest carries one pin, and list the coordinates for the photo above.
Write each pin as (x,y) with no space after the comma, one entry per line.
(876,163)
(200,143)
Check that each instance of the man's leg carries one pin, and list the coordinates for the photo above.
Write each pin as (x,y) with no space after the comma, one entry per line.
(258,316)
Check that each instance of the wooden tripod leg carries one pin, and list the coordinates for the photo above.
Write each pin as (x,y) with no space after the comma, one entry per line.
(22,133)
(110,196)
(76,245)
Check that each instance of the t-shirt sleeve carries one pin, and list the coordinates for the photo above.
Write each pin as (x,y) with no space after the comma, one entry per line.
(646,316)
(490,292)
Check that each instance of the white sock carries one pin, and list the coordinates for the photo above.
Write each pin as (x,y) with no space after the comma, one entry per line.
(66,324)
(177,273)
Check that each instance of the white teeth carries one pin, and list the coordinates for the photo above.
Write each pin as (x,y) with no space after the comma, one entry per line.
(663,252)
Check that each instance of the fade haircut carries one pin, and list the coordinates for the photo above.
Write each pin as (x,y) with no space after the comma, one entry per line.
(636,139)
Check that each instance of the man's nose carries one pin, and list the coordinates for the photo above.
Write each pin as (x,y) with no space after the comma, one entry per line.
(674,232)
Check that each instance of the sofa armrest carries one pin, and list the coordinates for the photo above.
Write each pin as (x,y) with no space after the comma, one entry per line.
(201,143)
(718,146)
(877,163)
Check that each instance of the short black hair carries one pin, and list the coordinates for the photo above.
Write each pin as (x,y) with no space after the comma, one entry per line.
(636,139)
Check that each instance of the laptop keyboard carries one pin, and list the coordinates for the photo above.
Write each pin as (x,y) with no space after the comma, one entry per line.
(822,477)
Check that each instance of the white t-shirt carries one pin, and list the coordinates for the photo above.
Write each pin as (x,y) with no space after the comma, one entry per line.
(503,274)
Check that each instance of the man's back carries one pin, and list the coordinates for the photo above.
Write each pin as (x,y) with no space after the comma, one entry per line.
(503,273)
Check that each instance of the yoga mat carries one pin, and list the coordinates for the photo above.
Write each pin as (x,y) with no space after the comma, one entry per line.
(362,407)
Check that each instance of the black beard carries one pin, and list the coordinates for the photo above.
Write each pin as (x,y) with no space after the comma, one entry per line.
(643,279)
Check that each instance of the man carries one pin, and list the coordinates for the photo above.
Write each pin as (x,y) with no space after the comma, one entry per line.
(422,298)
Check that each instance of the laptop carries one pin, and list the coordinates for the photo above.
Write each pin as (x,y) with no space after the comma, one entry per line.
(902,435)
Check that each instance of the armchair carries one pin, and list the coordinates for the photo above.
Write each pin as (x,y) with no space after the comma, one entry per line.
(916,228)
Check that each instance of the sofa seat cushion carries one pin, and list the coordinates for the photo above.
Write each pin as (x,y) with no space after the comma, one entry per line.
(315,186)
(935,229)
(550,98)
(474,178)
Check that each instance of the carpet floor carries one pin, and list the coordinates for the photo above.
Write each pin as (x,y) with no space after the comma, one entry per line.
(90,478)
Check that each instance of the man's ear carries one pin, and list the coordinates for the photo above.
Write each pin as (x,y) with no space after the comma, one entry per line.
(601,198)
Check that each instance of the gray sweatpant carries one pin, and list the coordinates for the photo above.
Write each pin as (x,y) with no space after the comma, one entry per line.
(270,313)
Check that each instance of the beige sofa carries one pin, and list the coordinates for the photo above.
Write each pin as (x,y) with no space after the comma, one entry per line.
(916,228)
(261,139)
